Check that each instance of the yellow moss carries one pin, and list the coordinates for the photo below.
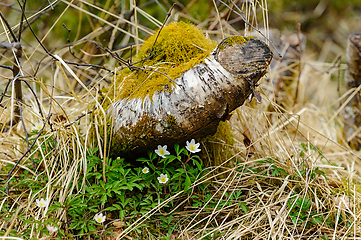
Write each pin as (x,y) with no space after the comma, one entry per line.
(171,119)
(224,133)
(230,41)
(217,151)
(179,47)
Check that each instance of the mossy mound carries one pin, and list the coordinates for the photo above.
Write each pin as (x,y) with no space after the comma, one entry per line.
(230,41)
(179,47)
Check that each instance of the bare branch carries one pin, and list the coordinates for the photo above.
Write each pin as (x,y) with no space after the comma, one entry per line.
(8,26)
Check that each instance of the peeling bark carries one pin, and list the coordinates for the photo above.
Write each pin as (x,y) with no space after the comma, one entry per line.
(201,98)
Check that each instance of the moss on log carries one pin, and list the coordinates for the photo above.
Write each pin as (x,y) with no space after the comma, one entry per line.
(196,101)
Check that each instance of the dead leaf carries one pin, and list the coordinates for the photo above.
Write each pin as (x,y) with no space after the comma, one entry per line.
(335,184)
(119,224)
(247,142)
(115,235)
(174,235)
(344,202)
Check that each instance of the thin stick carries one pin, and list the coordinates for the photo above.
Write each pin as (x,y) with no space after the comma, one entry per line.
(27,139)
(22,18)
(257,30)
(17,50)
(298,28)
(219,18)
(8,26)
(18,161)
(156,38)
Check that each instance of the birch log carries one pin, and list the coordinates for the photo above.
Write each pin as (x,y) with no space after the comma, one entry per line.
(201,98)
(352,128)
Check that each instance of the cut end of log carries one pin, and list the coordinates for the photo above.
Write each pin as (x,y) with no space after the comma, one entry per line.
(246,56)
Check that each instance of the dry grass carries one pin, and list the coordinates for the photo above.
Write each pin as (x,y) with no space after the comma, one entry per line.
(280,130)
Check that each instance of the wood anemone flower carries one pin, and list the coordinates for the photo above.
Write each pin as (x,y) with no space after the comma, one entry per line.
(192,146)
(163,178)
(42,203)
(99,217)
(162,151)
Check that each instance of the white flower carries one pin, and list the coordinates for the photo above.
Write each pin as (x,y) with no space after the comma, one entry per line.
(99,218)
(38,126)
(41,203)
(51,229)
(161,151)
(163,178)
(192,146)
(145,170)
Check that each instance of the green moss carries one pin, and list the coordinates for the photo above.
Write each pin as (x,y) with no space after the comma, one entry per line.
(171,119)
(230,41)
(224,132)
(179,47)
(219,145)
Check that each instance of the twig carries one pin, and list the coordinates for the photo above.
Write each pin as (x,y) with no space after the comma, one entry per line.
(129,65)
(18,161)
(79,117)
(17,84)
(22,18)
(27,139)
(6,67)
(17,50)
(257,30)
(50,54)
(70,45)
(298,28)
(87,65)
(8,26)
(36,98)
(156,38)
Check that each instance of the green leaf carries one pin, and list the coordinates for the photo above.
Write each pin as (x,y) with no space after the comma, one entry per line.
(143,160)
(103,199)
(110,209)
(176,148)
(164,219)
(178,174)
(197,164)
(303,145)
(187,183)
(93,151)
(170,159)
(243,206)
(91,227)
(74,225)
(275,172)
(122,214)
